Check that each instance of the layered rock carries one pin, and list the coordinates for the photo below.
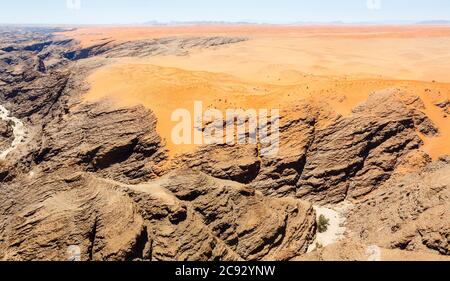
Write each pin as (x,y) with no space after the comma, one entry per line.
(353,156)
(67,187)
(237,163)
(183,216)
(144,48)
(254,226)
(409,213)
(345,158)
(6,135)
(97,177)
(121,144)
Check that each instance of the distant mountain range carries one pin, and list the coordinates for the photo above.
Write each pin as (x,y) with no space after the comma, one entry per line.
(439,22)
(250,22)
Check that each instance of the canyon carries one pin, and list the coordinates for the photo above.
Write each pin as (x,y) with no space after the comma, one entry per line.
(87,157)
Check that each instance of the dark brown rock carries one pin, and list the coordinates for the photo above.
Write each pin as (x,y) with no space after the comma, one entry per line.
(408,213)
(166,219)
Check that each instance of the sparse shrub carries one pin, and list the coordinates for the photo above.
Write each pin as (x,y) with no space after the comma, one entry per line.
(317,247)
(322,224)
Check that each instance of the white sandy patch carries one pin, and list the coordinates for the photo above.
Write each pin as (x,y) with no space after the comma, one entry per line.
(336,228)
(374,253)
(19,132)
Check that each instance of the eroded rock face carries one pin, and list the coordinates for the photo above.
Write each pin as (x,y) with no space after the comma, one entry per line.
(67,132)
(185,215)
(347,158)
(98,177)
(67,187)
(353,156)
(254,226)
(121,144)
(410,213)
(237,163)
(6,134)
(144,48)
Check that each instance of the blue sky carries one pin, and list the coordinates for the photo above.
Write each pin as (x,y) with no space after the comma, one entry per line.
(269,11)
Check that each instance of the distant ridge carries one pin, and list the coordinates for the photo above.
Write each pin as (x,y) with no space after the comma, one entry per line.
(172,23)
(431,22)
(250,22)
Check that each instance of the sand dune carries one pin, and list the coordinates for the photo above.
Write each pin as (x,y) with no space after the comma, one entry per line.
(278,66)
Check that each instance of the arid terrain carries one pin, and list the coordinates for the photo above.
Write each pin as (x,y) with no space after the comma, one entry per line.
(87,159)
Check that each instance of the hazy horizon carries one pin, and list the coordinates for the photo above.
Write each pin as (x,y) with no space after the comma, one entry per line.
(136,12)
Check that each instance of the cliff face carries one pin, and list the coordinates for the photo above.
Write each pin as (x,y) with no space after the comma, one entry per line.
(348,158)
(166,219)
(6,134)
(99,177)
(410,213)
(405,219)
(71,182)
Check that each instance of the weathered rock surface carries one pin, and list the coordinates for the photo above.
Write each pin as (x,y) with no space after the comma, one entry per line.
(347,158)
(185,215)
(353,156)
(98,177)
(68,185)
(120,144)
(350,250)
(143,48)
(254,226)
(410,213)
(6,134)
(237,163)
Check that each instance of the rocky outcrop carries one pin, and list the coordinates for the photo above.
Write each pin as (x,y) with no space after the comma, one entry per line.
(67,132)
(345,158)
(281,173)
(168,46)
(355,155)
(120,144)
(444,105)
(237,163)
(96,177)
(409,213)
(92,176)
(144,48)
(183,216)
(254,226)
(6,135)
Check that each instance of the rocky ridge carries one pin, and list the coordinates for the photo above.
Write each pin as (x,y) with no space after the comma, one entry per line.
(98,177)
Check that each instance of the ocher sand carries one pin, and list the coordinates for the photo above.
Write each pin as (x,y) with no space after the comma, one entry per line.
(277,67)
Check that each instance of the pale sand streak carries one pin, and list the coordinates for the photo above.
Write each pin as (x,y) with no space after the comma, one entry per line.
(336,228)
(19,132)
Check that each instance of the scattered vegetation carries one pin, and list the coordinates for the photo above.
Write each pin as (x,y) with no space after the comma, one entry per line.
(322,224)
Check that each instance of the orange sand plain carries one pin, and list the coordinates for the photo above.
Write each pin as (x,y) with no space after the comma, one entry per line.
(278,66)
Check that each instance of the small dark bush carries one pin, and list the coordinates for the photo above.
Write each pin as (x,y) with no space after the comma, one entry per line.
(322,224)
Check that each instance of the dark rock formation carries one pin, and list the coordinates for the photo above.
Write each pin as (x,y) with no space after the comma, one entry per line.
(183,216)
(62,188)
(347,158)
(6,134)
(353,156)
(153,47)
(408,213)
